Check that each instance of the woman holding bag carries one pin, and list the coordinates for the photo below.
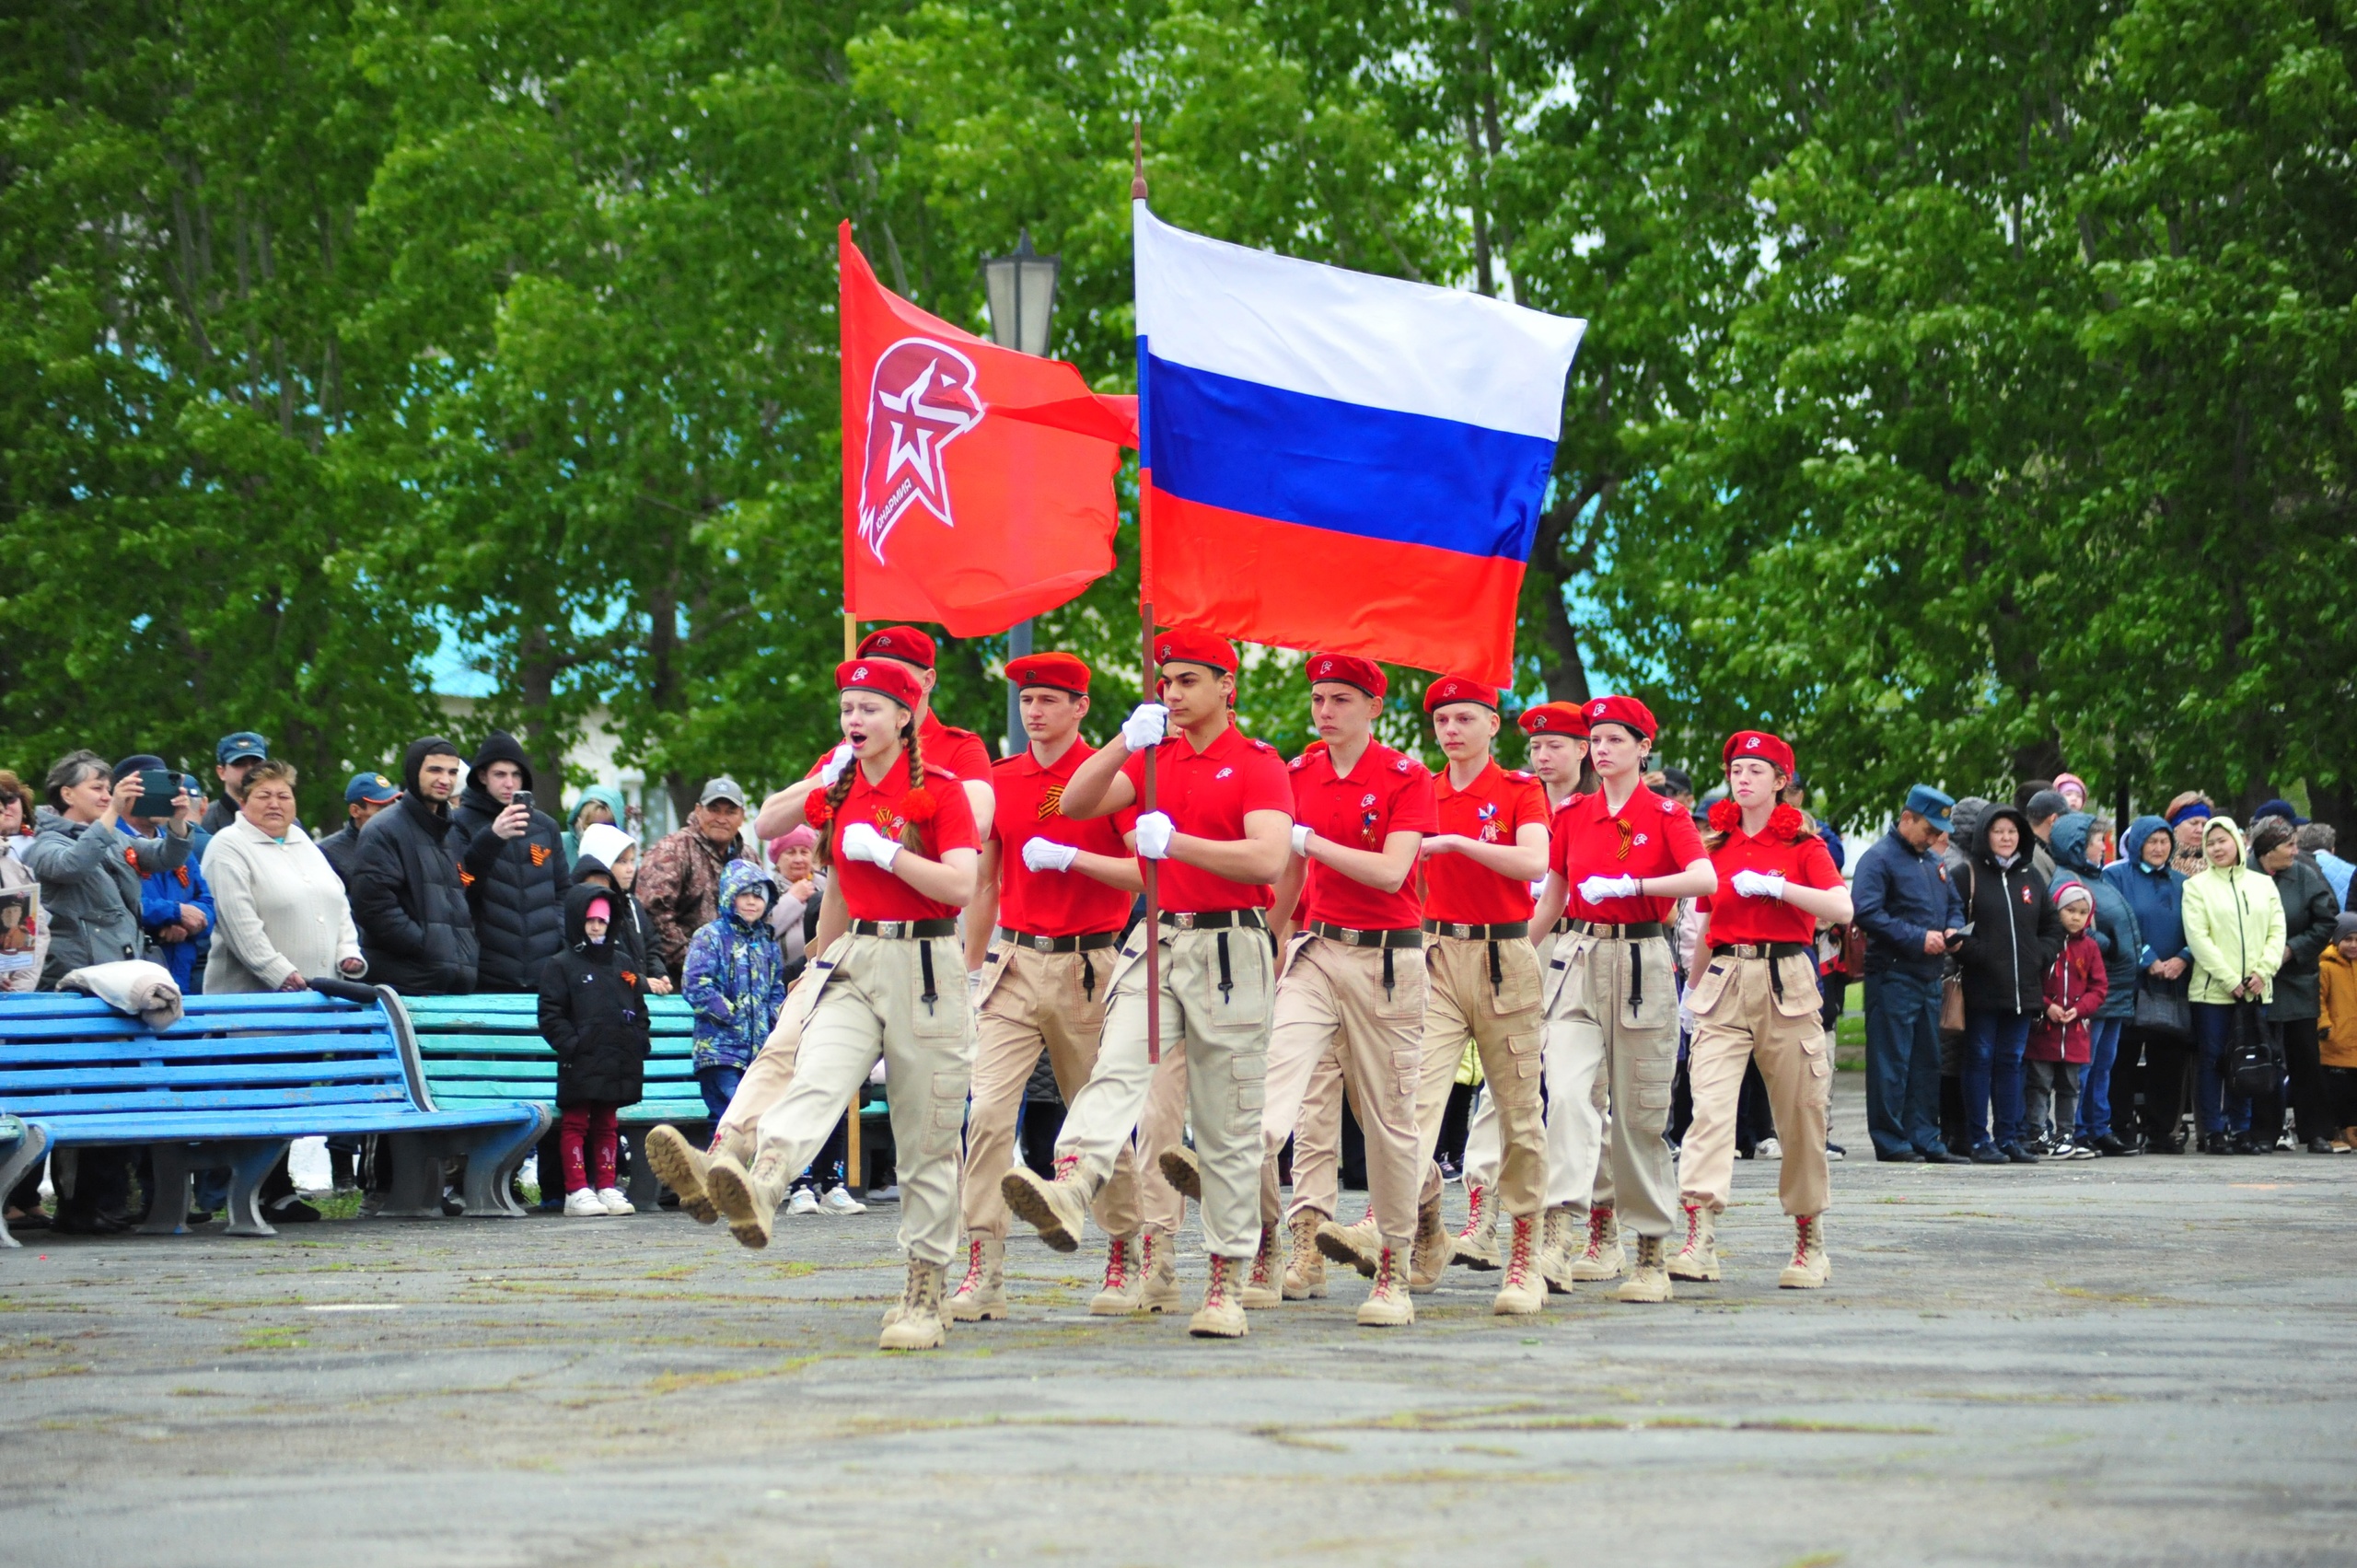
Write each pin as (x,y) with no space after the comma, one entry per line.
(2159,1033)
(2233,924)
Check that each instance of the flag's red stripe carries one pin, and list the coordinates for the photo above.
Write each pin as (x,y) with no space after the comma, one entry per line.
(1305,587)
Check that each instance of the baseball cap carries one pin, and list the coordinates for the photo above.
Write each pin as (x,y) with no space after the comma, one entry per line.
(374,788)
(722,788)
(244,746)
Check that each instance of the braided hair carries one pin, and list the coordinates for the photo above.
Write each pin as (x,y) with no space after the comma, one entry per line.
(911,835)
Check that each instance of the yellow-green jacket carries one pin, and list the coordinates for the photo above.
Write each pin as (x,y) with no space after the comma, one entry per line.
(2234,923)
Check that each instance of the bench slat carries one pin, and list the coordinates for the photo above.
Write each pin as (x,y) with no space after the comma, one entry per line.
(13,1054)
(16,1031)
(15,1084)
(161,1105)
(218,1125)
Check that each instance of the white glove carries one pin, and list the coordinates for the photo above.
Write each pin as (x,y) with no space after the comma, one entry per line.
(1300,840)
(1154,832)
(832,768)
(875,1074)
(862,842)
(1148,725)
(1046,854)
(1759,885)
(1596,889)
(973,983)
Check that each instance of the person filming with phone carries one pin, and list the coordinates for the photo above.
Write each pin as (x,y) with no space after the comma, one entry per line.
(175,906)
(511,857)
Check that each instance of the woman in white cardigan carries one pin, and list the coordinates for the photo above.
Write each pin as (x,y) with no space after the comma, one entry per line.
(281,915)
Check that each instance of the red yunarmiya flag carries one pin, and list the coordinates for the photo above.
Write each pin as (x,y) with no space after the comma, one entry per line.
(978,482)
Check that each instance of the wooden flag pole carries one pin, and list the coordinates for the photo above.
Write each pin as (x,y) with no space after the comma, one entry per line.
(855,1172)
(1145,676)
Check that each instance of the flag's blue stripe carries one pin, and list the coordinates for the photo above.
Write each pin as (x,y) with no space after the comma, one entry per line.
(1326,464)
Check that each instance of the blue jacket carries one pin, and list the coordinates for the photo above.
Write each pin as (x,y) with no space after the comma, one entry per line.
(734,975)
(2116,930)
(2157,897)
(160,897)
(1901,893)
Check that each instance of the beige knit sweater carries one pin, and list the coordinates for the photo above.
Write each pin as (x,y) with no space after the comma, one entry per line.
(279,911)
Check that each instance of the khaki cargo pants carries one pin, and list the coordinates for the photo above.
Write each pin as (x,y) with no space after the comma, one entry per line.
(1224,1035)
(1337,1023)
(1592,1029)
(1483,1146)
(1501,1015)
(1030,1002)
(1739,1014)
(864,998)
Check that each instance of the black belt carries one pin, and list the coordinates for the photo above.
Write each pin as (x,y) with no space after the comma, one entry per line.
(1409,936)
(904,930)
(1217,920)
(1559,926)
(1771,950)
(1506,931)
(1636,933)
(1088,942)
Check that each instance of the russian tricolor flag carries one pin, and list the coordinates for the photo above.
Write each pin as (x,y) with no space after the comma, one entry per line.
(1341,461)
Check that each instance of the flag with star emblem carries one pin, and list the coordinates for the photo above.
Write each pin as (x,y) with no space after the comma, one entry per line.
(978,482)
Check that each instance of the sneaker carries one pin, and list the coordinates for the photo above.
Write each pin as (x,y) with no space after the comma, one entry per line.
(616,1201)
(1836,1152)
(839,1201)
(582,1204)
(291,1210)
(804,1202)
(1770,1149)
(1988,1154)
(2018,1155)
(2084,1150)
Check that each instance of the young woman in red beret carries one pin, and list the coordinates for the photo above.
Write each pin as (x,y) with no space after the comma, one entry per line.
(1756,996)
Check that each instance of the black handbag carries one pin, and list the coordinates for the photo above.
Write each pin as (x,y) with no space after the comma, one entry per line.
(2254,1066)
(2163,1010)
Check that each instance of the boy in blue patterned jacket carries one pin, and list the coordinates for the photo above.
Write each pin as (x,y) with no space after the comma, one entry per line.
(733,976)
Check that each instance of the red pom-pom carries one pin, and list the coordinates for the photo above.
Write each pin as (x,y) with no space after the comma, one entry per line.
(917,805)
(1785,822)
(814,810)
(1726,815)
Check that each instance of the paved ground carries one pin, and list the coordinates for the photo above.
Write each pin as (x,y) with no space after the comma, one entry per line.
(2122,1361)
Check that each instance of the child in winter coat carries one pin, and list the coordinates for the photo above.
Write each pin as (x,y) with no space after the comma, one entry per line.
(2060,1045)
(592,1014)
(2337,1026)
(733,976)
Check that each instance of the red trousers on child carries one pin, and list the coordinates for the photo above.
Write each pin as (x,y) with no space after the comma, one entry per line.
(593,1125)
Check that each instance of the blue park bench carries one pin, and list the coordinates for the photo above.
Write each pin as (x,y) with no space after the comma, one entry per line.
(232,1084)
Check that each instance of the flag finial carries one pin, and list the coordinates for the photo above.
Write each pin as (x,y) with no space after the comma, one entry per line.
(1137,160)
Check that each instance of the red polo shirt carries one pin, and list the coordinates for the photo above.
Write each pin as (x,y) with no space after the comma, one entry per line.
(1647,837)
(1385,792)
(1490,810)
(961,752)
(1053,903)
(870,892)
(1800,857)
(1207,794)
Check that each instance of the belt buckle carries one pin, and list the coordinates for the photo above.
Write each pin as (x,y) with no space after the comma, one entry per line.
(889,927)
(1183,922)
(1043,944)
(1462,933)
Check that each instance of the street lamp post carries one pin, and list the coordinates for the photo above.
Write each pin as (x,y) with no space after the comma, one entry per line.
(1021,289)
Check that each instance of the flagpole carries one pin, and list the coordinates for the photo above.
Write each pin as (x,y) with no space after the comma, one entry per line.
(855,1171)
(1146,675)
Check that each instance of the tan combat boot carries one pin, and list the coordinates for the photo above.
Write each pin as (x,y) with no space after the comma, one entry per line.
(1182,1170)
(1388,1304)
(1556,1252)
(680,1165)
(1123,1280)
(1476,1245)
(1058,1209)
(1697,1256)
(1649,1281)
(1221,1316)
(1811,1266)
(1260,1285)
(982,1295)
(747,1200)
(1358,1245)
(1604,1258)
(1429,1256)
(1305,1271)
(1521,1292)
(915,1321)
(1158,1273)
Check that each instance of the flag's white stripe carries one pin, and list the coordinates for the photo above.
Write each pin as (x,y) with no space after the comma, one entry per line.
(1381,343)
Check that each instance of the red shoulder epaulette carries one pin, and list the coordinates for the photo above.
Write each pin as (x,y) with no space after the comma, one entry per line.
(1519,776)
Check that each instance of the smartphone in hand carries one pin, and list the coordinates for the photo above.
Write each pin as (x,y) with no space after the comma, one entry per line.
(522,797)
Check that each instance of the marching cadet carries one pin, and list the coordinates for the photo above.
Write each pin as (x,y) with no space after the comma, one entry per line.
(1491,845)
(1219,834)
(958,753)
(1756,998)
(1619,861)
(889,981)
(1059,893)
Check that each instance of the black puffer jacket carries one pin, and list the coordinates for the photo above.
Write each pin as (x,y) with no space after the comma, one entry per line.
(515,886)
(2016,934)
(633,933)
(415,928)
(592,1014)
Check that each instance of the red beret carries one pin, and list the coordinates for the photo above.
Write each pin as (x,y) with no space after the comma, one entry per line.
(1759,743)
(903,643)
(1196,647)
(1062,672)
(1348,668)
(1625,711)
(1459,688)
(886,677)
(1554,718)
